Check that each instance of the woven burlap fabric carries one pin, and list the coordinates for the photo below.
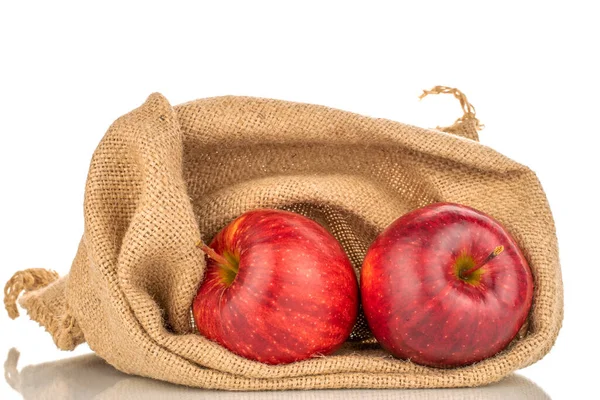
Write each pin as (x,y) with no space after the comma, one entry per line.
(163,177)
(89,377)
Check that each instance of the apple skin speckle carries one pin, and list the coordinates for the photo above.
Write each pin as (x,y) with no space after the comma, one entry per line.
(411,271)
(294,295)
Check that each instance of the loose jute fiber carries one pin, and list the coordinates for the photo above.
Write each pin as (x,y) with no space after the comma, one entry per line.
(163,177)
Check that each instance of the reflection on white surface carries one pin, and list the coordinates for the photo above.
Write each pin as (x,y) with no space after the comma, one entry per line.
(89,377)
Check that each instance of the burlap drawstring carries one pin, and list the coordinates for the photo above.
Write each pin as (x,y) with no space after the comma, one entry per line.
(468,117)
(26,280)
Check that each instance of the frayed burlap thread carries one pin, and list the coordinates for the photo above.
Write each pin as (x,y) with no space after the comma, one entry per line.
(25,281)
(468,125)
(162,178)
(45,301)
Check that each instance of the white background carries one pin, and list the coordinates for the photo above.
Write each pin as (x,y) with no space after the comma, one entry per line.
(67,70)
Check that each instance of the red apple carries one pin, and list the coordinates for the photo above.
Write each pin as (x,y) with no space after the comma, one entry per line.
(278,288)
(445,286)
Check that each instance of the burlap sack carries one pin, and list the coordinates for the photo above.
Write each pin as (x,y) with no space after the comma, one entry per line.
(162,177)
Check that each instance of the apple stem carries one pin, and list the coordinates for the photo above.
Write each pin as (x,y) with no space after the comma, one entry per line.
(211,253)
(491,256)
